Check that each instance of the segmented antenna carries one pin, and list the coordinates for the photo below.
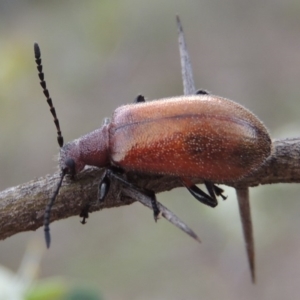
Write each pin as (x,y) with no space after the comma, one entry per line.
(38,60)
(48,210)
(60,140)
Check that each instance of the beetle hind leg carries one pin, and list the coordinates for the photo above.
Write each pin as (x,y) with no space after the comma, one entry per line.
(102,192)
(201,196)
(214,190)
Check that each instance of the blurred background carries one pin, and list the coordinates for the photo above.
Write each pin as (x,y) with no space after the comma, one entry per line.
(98,55)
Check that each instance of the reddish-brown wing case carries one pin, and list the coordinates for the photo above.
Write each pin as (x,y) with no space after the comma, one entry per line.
(201,136)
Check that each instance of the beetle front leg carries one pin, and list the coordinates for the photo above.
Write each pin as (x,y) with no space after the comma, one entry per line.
(102,192)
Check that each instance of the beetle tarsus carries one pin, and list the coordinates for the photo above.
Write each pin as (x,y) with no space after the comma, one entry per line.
(202,92)
(139,98)
(219,192)
(84,214)
(214,190)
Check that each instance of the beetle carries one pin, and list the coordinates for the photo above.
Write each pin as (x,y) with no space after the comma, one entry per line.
(199,136)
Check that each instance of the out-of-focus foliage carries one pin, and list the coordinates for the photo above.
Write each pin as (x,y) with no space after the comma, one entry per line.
(24,284)
(98,55)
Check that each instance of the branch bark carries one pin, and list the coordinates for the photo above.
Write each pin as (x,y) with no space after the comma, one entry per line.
(22,207)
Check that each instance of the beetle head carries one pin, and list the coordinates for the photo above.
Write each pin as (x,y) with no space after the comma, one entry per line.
(69,160)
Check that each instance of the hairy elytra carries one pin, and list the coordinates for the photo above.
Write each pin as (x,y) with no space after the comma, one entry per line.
(200,136)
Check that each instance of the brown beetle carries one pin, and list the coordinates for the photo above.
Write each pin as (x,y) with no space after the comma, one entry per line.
(200,136)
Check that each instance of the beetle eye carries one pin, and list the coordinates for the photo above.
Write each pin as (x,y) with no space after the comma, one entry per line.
(70,165)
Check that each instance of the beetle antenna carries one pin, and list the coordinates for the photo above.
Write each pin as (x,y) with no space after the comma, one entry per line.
(38,60)
(60,140)
(48,210)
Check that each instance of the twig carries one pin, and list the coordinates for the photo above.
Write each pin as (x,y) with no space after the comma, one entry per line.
(186,66)
(22,207)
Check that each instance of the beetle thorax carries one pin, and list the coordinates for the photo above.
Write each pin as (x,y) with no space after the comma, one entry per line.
(90,149)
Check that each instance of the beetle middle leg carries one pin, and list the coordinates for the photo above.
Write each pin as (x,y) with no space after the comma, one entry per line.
(104,186)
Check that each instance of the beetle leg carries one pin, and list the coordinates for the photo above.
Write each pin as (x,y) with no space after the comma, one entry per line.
(105,184)
(84,214)
(199,194)
(210,188)
(219,191)
(155,208)
(202,92)
(103,189)
(214,190)
(139,98)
